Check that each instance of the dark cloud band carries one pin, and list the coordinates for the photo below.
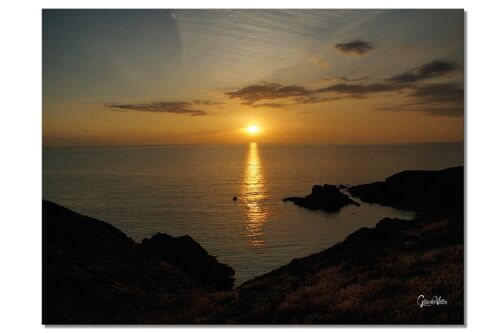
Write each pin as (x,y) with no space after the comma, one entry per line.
(254,93)
(439,99)
(429,70)
(160,107)
(359,90)
(436,98)
(355,47)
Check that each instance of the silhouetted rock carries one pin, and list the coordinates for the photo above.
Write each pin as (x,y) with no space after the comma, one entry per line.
(323,197)
(187,255)
(94,274)
(424,191)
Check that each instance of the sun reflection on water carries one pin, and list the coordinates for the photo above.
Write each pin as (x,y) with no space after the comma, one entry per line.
(253,195)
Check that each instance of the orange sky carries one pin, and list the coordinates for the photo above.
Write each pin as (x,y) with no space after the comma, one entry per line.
(187,77)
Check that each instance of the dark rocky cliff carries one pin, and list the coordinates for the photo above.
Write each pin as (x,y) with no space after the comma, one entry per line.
(433,192)
(94,274)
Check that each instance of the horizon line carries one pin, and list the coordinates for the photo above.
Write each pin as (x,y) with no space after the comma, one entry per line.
(245,144)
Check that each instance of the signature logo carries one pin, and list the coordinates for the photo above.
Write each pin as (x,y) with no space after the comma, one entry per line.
(435,300)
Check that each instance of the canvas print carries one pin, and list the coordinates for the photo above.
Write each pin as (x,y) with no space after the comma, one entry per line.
(253,167)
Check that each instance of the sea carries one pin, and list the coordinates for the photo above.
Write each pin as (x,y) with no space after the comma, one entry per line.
(189,190)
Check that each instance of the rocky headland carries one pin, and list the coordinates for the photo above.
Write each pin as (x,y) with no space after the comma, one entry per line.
(94,274)
(429,192)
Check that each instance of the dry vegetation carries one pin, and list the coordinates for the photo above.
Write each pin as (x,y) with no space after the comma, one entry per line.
(374,277)
(94,274)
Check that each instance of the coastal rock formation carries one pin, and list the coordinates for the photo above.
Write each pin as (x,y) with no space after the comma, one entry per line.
(424,191)
(188,256)
(373,277)
(323,197)
(94,274)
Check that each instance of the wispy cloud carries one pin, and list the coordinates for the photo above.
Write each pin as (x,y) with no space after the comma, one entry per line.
(431,98)
(272,105)
(326,81)
(254,93)
(360,90)
(429,70)
(315,99)
(354,48)
(206,102)
(440,92)
(160,107)
(438,99)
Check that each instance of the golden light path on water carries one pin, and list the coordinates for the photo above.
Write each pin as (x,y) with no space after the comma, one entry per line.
(253,194)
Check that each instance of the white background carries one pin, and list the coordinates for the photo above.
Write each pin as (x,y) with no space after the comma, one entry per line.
(20,155)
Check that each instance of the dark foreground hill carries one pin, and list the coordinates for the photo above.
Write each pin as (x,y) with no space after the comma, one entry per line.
(185,254)
(374,277)
(93,273)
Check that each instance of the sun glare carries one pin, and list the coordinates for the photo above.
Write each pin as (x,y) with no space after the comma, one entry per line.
(253,129)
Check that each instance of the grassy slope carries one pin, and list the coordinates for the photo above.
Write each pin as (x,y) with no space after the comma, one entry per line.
(373,277)
(93,273)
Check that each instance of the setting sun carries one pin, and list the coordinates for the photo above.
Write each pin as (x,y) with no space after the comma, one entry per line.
(253,129)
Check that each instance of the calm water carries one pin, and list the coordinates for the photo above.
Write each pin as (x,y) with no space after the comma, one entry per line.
(188,190)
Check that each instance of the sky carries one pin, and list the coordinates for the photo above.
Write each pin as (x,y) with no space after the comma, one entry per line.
(144,77)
